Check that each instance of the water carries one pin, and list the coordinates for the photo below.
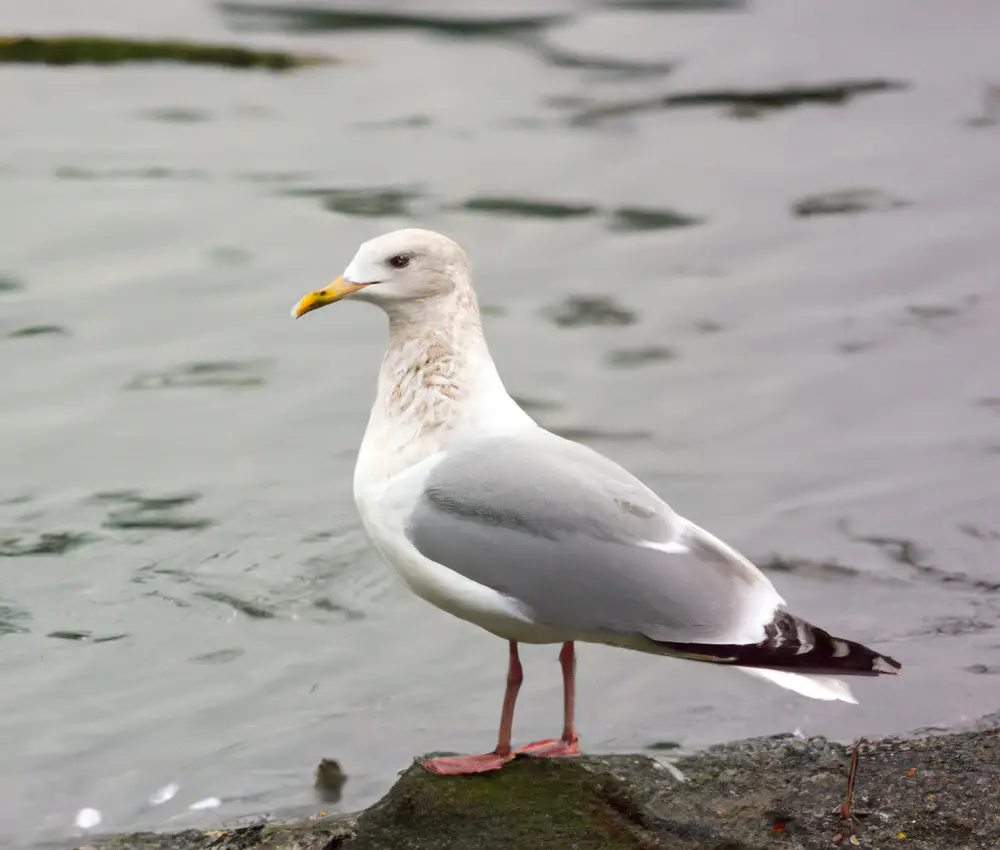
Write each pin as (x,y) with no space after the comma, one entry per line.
(185,594)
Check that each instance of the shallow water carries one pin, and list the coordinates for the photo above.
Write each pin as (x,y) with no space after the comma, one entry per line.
(185,593)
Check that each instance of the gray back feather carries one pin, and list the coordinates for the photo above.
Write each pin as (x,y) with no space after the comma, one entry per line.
(556,527)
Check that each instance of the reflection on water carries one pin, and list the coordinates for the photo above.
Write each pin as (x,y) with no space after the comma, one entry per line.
(747,250)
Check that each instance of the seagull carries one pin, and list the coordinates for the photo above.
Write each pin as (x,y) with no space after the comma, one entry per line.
(533,537)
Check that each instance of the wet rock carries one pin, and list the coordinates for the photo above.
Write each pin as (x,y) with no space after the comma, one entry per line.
(96,50)
(931,792)
(846,202)
(330,780)
(583,310)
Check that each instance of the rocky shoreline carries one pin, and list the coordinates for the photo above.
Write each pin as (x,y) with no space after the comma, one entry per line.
(937,791)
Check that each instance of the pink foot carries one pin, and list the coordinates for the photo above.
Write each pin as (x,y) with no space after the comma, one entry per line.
(464,765)
(551,748)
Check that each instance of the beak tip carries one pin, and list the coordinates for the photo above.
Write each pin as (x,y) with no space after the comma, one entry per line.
(301,308)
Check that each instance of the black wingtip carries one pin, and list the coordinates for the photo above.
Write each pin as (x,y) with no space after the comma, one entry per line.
(793,645)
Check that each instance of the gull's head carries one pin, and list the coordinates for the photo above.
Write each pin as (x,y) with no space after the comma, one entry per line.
(399,271)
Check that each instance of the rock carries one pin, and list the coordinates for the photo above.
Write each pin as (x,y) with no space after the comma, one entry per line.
(330,779)
(935,792)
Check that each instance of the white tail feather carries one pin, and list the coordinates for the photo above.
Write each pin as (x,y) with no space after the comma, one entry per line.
(816,687)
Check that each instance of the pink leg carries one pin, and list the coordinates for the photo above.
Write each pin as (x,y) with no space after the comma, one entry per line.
(459,765)
(568,745)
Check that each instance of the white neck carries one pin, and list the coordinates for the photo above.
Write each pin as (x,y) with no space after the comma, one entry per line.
(436,382)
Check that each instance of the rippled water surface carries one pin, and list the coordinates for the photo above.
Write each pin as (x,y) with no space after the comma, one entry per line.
(747,249)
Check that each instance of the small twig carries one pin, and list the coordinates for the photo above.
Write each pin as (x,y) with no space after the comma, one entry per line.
(845,808)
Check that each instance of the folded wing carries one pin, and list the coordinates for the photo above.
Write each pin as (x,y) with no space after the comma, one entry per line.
(582,545)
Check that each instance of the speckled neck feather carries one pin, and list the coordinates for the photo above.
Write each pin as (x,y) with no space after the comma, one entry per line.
(437,378)
(431,363)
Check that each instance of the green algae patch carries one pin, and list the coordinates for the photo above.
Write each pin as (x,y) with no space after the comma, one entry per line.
(101,50)
(531,804)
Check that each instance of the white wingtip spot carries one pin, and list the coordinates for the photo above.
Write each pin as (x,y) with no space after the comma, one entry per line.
(880,665)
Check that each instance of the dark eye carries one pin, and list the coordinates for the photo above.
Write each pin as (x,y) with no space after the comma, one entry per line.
(399,261)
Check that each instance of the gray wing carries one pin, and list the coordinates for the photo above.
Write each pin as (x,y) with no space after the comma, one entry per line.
(572,538)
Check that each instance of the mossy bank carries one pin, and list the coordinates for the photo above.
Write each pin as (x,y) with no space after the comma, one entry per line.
(938,792)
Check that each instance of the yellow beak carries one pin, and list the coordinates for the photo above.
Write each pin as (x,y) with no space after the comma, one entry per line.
(337,290)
